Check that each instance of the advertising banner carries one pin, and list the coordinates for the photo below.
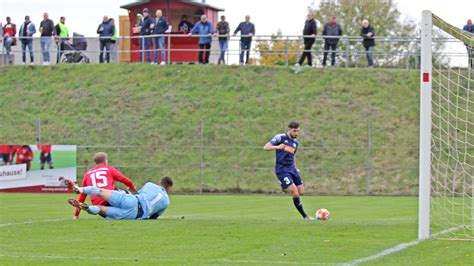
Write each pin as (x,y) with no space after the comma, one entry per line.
(36,168)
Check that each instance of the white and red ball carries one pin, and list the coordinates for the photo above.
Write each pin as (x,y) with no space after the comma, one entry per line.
(322,214)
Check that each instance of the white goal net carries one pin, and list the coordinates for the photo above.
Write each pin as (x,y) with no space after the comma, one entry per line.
(451,145)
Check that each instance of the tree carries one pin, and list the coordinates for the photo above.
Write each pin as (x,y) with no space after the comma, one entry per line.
(278,50)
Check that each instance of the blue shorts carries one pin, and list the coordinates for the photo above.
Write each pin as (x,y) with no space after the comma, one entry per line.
(123,206)
(288,177)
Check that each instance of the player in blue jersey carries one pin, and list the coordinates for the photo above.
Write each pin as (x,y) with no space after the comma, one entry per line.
(285,147)
(150,202)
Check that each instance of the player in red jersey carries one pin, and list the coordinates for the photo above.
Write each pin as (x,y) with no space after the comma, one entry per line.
(13,152)
(102,176)
(24,154)
(45,155)
(5,152)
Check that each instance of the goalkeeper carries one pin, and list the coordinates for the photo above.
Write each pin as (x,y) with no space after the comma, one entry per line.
(150,202)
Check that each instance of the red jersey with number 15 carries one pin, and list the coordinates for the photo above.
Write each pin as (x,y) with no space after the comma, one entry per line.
(102,176)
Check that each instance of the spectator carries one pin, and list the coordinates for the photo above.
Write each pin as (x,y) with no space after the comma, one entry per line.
(114,44)
(47,32)
(205,30)
(27,30)
(145,30)
(185,26)
(331,28)
(309,32)
(1,33)
(223,30)
(9,32)
(247,30)
(105,31)
(367,32)
(138,22)
(160,28)
(62,35)
(469,28)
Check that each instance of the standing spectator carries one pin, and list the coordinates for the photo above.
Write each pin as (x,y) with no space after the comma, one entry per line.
(145,30)
(47,32)
(24,154)
(247,30)
(185,26)
(160,28)
(9,32)
(62,35)
(331,28)
(105,31)
(1,33)
(309,32)
(27,30)
(5,152)
(138,22)
(367,32)
(205,30)
(469,28)
(114,44)
(223,29)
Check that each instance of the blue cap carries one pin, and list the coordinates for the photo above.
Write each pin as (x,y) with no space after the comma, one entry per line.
(146,10)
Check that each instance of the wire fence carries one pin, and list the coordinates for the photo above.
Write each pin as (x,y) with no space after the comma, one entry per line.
(203,156)
(400,52)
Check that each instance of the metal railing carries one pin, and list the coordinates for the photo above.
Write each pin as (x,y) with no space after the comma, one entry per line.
(400,52)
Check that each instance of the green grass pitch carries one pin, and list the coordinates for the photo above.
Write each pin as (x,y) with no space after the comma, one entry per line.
(221,229)
(61,159)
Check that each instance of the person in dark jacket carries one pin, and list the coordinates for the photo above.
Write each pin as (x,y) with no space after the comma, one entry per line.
(105,31)
(469,28)
(331,28)
(159,29)
(185,26)
(27,30)
(145,31)
(47,32)
(205,30)
(223,29)
(309,34)
(367,32)
(247,30)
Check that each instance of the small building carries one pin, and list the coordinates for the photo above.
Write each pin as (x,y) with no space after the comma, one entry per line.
(173,10)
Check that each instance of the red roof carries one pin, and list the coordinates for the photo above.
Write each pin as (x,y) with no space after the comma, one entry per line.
(189,2)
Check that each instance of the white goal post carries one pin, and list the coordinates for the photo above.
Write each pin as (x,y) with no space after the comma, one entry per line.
(446,155)
(425,127)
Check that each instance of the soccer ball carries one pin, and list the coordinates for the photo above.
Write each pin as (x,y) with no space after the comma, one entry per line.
(322,214)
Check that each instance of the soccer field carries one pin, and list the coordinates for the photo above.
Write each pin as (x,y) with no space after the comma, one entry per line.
(222,229)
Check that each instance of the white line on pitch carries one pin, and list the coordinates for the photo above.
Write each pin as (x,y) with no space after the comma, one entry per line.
(397,248)
(227,261)
(33,222)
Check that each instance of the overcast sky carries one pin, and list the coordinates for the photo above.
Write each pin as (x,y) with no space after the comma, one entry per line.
(83,16)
